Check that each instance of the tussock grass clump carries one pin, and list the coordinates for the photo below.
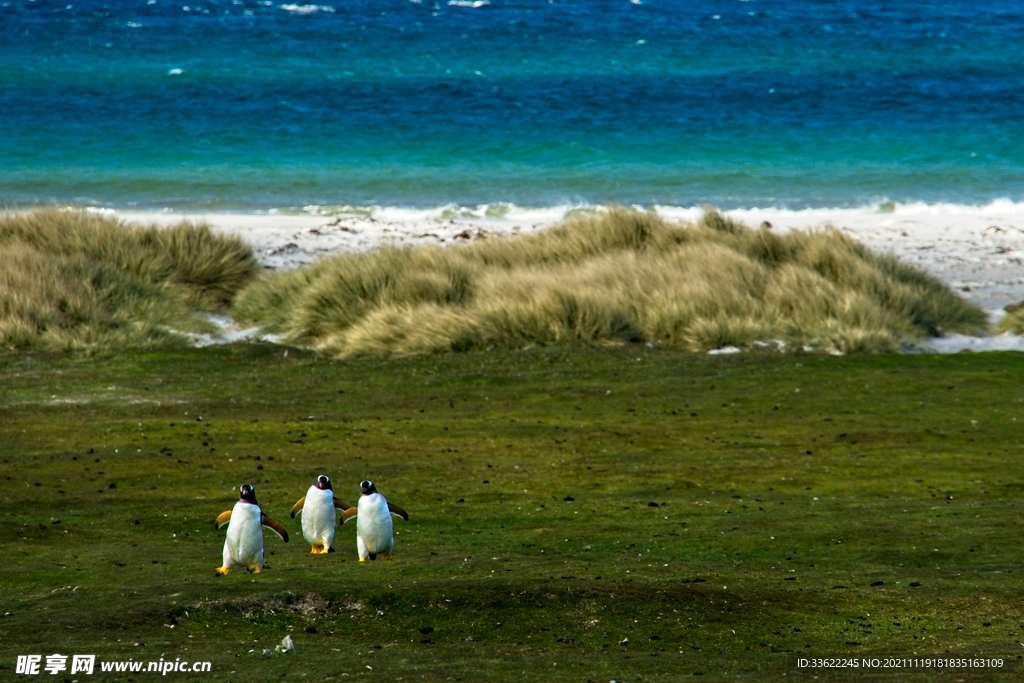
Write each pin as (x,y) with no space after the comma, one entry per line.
(70,279)
(615,276)
(1013,321)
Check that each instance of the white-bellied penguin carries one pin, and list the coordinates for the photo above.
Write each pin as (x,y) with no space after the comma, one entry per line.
(243,546)
(374,530)
(318,516)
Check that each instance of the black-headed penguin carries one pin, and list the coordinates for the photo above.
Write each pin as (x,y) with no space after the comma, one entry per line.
(374,530)
(318,516)
(243,546)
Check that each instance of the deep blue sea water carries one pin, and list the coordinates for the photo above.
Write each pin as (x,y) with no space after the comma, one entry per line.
(242,105)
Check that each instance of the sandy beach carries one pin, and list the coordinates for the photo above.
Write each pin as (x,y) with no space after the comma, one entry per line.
(977,250)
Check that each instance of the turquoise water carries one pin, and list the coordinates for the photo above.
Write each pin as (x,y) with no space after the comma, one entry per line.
(240,105)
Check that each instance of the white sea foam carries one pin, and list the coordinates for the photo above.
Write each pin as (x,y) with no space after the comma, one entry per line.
(469,3)
(306,9)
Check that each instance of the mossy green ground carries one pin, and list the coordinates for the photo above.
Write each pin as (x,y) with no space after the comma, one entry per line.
(724,514)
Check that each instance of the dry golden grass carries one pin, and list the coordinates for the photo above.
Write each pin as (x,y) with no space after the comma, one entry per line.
(1012,322)
(71,279)
(615,276)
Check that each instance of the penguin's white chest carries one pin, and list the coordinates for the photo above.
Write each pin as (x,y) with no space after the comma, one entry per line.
(374,525)
(244,540)
(318,517)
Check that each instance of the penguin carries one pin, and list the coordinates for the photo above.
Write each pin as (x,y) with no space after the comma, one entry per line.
(374,530)
(244,543)
(318,516)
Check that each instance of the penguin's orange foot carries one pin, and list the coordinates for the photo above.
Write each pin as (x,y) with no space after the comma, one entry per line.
(222,571)
(316,550)
(255,569)
(363,559)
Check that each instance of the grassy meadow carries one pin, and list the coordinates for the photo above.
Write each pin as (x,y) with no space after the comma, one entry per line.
(589,499)
(577,513)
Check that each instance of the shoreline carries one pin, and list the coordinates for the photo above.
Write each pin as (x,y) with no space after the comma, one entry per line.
(976,250)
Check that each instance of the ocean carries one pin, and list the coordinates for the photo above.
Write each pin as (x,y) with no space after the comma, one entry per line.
(235,105)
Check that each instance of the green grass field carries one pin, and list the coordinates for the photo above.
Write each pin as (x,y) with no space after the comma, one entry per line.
(577,513)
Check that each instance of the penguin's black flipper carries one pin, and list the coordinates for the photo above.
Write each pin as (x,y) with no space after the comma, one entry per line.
(298,506)
(275,526)
(349,514)
(223,518)
(395,510)
(340,504)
